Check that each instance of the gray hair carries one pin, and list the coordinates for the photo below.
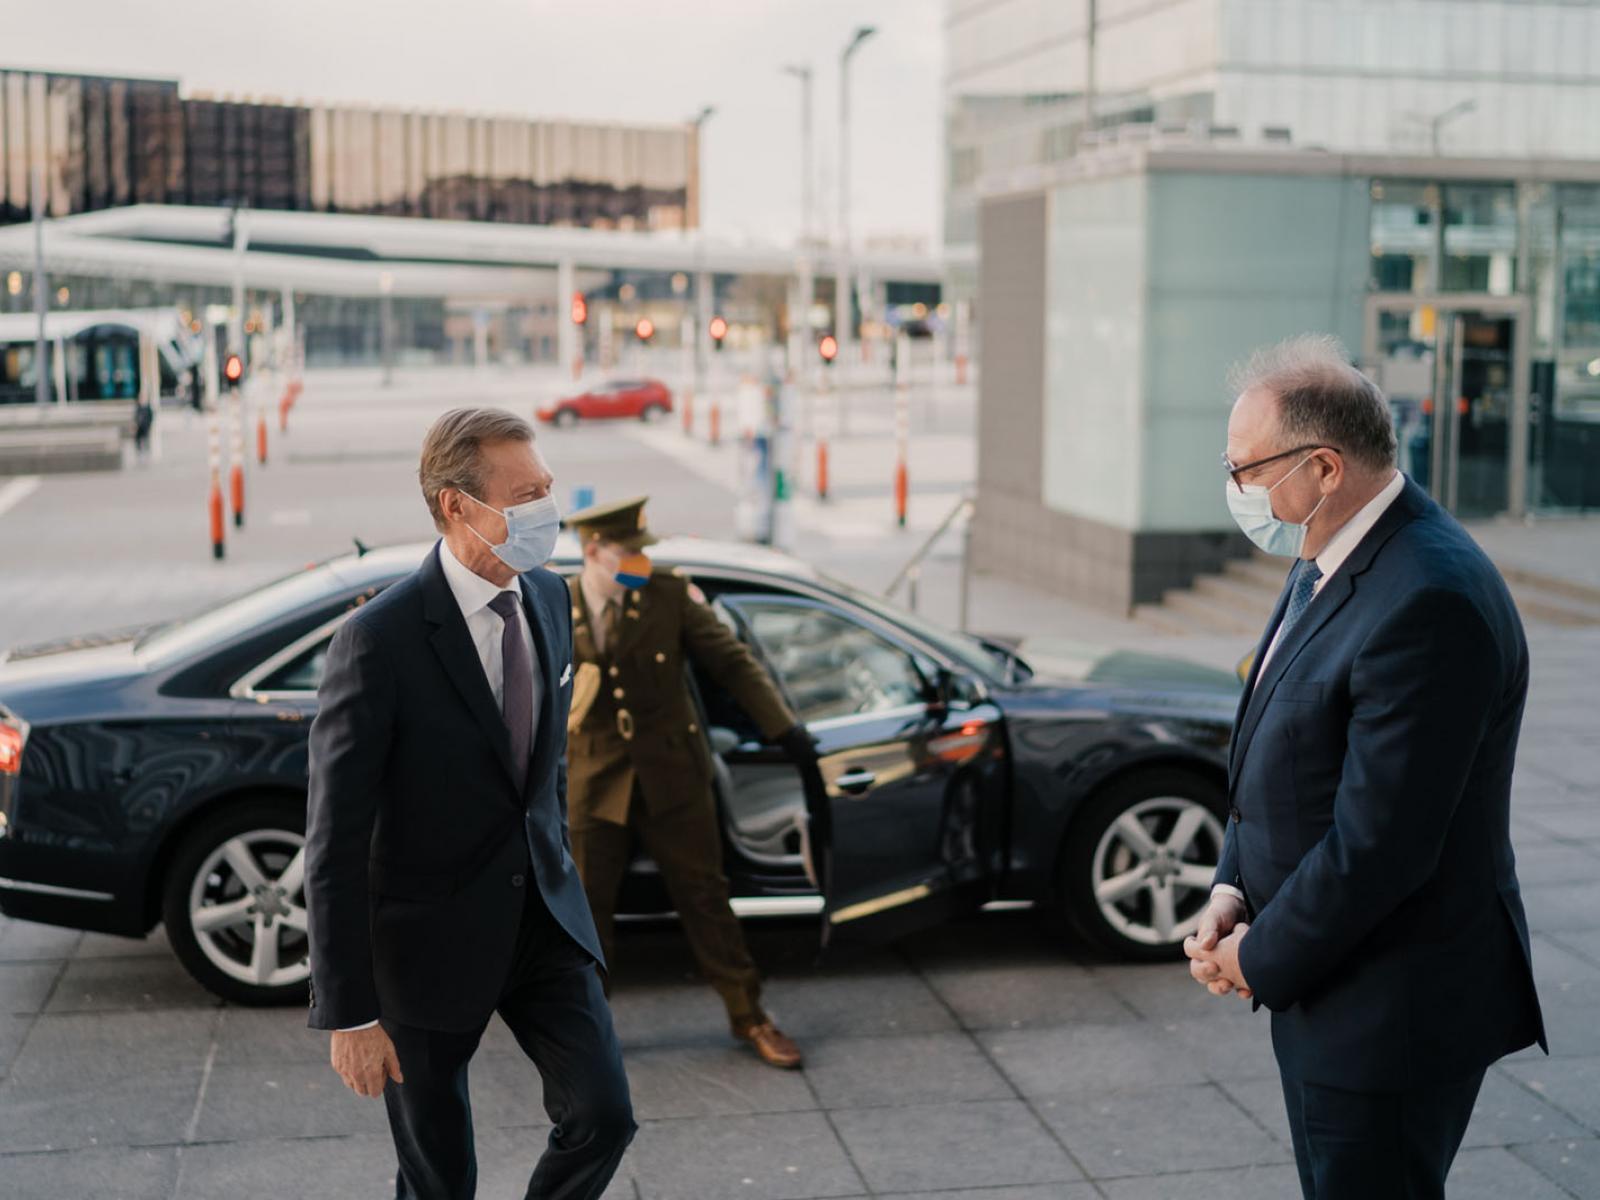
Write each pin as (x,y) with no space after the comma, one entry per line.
(452,453)
(1322,399)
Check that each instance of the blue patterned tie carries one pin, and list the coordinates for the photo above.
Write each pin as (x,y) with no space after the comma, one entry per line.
(1300,595)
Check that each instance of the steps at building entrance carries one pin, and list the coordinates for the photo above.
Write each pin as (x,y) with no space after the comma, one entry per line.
(1239,599)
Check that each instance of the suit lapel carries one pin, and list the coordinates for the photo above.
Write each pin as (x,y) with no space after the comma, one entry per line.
(1341,585)
(453,644)
(543,641)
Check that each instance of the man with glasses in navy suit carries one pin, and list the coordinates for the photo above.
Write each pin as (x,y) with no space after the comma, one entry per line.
(1367,893)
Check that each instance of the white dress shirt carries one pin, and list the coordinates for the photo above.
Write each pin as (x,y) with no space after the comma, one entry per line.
(473,593)
(596,600)
(1345,539)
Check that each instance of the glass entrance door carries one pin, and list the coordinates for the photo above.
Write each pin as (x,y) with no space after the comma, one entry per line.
(1472,414)
(1449,372)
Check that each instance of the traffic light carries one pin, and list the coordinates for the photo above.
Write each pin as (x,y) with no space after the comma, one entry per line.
(718,330)
(232,371)
(580,308)
(645,329)
(828,347)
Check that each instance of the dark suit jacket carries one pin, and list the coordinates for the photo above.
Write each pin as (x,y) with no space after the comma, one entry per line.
(1370,783)
(418,844)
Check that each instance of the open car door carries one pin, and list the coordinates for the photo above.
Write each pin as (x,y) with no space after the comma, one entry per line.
(901,820)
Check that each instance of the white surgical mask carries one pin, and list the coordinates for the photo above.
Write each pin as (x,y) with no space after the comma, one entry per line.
(1251,507)
(531,531)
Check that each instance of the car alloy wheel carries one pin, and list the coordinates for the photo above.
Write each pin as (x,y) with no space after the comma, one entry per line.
(247,908)
(1153,869)
(1138,862)
(235,907)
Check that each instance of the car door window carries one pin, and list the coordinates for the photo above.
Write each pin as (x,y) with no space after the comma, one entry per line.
(830,665)
(302,673)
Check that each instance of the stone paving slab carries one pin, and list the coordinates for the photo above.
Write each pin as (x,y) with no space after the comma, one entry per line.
(153,981)
(786,1156)
(1090,1059)
(108,1174)
(927,1068)
(1158,1130)
(912,1147)
(1573,1165)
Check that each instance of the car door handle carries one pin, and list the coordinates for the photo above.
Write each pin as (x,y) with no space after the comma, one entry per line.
(855,781)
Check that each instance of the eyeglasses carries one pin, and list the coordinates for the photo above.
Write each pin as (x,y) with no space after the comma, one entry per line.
(1234,472)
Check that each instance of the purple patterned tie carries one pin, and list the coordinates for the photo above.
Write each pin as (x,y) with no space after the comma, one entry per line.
(516,696)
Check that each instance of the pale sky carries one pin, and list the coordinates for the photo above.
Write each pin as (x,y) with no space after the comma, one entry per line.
(630,60)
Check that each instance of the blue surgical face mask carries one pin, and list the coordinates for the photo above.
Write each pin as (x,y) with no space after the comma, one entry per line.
(531,531)
(1252,510)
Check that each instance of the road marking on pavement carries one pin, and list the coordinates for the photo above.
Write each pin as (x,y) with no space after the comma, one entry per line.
(15,492)
(290,516)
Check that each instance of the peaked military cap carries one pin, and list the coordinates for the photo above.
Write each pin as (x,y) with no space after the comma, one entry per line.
(621,521)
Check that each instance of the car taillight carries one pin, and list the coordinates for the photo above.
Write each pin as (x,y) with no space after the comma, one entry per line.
(10,749)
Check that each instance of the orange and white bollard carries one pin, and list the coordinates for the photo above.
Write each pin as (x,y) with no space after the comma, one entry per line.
(236,471)
(688,412)
(716,421)
(822,468)
(261,435)
(961,369)
(902,427)
(214,498)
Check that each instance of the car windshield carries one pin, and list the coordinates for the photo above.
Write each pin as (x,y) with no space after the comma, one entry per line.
(992,662)
(183,637)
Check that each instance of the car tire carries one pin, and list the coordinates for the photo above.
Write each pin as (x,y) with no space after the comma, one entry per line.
(653,413)
(215,917)
(565,418)
(1137,862)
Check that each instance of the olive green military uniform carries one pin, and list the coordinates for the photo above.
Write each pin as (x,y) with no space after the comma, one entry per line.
(638,762)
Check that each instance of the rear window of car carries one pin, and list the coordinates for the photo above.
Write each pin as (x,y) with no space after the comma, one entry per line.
(189,635)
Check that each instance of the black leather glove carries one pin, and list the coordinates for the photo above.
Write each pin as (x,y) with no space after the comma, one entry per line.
(798,743)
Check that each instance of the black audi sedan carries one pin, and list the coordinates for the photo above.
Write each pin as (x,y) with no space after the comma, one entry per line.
(159,776)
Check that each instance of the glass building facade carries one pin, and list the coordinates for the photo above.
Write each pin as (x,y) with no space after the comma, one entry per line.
(1476,78)
(106,142)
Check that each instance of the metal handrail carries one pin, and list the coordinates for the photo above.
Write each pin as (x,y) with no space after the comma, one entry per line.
(912,571)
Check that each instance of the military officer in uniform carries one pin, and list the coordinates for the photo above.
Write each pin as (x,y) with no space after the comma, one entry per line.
(638,762)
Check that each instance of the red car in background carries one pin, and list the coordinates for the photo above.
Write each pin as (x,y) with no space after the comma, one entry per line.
(641,399)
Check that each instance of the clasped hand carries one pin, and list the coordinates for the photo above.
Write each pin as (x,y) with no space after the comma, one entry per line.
(1213,948)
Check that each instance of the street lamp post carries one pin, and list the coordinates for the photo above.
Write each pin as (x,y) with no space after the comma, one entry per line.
(803,74)
(841,303)
(804,292)
(702,298)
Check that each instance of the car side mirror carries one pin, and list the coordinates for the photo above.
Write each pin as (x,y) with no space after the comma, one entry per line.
(952,692)
(722,739)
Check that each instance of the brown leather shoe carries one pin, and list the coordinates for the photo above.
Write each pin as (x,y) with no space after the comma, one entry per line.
(774,1046)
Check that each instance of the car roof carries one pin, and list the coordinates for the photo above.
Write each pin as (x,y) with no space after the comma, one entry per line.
(383,563)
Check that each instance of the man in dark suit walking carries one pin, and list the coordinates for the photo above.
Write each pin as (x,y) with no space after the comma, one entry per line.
(440,885)
(1367,892)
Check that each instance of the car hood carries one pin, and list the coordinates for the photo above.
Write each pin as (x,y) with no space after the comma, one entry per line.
(1085,675)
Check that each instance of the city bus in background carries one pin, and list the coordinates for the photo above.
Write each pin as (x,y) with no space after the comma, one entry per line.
(94,355)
